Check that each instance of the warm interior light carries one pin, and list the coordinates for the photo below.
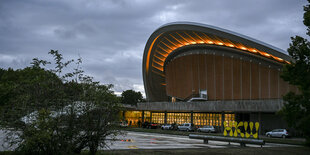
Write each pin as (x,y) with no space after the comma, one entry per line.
(266,54)
(170,45)
(159,68)
(277,58)
(243,48)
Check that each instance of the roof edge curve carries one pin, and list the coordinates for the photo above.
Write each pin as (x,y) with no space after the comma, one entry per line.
(223,30)
(153,82)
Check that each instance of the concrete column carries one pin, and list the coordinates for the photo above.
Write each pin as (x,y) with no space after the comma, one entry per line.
(278,83)
(223,74)
(223,120)
(192,117)
(206,67)
(259,81)
(142,116)
(241,78)
(151,116)
(260,124)
(214,76)
(192,77)
(232,77)
(165,121)
(250,79)
(269,82)
(198,75)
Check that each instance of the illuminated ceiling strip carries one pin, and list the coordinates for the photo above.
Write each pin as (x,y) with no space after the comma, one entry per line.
(191,37)
(264,54)
(171,42)
(163,55)
(279,59)
(163,49)
(159,68)
(209,40)
(199,37)
(181,43)
(158,63)
(218,41)
(176,39)
(229,43)
(167,45)
(161,59)
(182,37)
(158,73)
(253,50)
(149,54)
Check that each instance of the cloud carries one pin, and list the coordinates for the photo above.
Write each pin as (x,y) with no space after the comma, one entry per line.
(110,35)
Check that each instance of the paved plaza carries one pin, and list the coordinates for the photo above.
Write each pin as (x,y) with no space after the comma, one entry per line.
(142,140)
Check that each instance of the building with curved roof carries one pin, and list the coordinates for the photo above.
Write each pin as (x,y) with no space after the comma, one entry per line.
(234,78)
(182,58)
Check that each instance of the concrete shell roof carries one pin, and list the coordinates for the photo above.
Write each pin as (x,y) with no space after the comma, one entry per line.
(167,39)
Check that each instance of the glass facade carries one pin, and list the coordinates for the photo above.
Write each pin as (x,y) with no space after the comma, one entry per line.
(229,118)
(214,119)
(132,117)
(178,118)
(199,119)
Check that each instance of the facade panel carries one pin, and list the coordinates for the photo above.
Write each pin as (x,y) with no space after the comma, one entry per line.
(195,74)
(188,77)
(274,83)
(168,80)
(219,77)
(202,72)
(228,78)
(254,81)
(264,82)
(246,71)
(224,78)
(211,81)
(237,79)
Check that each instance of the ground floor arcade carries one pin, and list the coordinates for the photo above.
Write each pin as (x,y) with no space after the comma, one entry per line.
(197,118)
(214,113)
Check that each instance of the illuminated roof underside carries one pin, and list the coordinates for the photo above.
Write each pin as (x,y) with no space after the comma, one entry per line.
(170,37)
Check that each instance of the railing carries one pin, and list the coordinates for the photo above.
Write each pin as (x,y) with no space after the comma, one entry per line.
(242,141)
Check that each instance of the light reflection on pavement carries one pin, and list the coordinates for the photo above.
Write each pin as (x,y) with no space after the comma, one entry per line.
(142,140)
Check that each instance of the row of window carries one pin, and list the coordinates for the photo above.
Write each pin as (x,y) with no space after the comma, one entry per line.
(199,119)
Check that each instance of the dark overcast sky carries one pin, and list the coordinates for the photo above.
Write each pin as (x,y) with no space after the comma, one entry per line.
(110,35)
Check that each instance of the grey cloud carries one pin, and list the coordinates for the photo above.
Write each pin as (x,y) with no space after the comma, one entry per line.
(110,35)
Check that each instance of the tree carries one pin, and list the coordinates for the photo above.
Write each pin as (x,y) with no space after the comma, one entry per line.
(131,97)
(296,110)
(52,112)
